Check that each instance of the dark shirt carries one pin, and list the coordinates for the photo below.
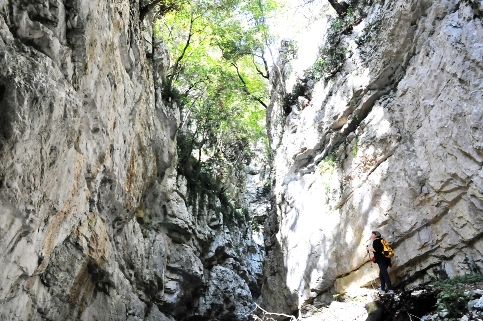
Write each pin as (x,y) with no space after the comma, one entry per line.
(378,248)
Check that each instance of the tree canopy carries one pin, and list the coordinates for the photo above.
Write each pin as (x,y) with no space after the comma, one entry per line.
(220,76)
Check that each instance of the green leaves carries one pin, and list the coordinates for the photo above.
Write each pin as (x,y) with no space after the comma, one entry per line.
(218,69)
(332,54)
(454,296)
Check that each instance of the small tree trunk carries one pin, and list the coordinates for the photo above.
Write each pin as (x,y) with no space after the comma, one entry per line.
(340,8)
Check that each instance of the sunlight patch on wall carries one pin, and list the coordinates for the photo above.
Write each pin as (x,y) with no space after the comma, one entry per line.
(309,233)
(349,235)
(378,116)
(360,79)
(301,21)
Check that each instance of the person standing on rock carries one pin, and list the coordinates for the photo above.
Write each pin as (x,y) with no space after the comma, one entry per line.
(382,261)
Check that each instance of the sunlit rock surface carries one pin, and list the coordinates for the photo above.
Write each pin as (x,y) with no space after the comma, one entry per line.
(95,221)
(391,142)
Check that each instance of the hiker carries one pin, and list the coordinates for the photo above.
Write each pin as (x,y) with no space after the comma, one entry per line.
(382,261)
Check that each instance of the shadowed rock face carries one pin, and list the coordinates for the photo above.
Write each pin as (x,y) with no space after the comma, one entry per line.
(391,142)
(96,223)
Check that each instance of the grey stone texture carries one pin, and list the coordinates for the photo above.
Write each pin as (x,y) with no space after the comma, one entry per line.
(392,142)
(95,221)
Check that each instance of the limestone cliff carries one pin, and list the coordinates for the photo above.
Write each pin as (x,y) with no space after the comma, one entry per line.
(388,138)
(95,221)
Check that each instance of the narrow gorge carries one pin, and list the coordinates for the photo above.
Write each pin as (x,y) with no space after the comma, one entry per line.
(374,122)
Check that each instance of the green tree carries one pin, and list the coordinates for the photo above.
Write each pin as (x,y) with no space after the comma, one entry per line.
(220,71)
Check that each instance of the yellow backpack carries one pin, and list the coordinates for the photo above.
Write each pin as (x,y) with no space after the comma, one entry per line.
(387,250)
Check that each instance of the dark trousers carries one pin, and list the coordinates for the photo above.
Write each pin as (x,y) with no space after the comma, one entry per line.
(383,274)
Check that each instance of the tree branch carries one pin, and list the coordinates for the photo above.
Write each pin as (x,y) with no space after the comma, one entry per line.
(292,318)
(340,8)
(245,89)
(176,66)
(267,74)
(193,85)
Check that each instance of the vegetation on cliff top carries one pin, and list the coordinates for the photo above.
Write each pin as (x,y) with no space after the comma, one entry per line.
(219,78)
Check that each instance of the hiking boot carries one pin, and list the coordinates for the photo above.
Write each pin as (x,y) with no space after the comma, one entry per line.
(381,291)
(390,292)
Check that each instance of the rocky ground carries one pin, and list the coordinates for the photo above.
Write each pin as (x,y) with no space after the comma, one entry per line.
(449,300)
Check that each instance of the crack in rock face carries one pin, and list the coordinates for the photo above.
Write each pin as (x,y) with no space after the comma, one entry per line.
(96,221)
(98,224)
(388,142)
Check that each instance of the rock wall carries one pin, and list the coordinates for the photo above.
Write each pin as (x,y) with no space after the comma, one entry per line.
(390,140)
(96,223)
